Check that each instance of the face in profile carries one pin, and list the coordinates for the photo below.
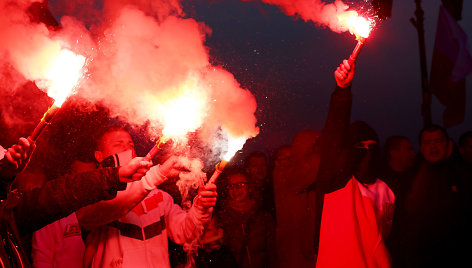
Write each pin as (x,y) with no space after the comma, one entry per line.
(433,146)
(238,188)
(114,142)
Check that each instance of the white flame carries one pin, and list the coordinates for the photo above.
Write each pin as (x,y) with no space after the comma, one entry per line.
(356,25)
(61,75)
(234,145)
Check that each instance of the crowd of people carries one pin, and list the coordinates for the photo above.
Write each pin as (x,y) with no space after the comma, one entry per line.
(332,198)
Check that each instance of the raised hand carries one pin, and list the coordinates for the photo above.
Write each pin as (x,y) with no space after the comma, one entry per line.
(17,157)
(134,170)
(344,74)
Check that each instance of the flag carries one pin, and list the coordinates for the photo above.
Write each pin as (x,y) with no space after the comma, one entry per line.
(451,63)
(355,222)
(454,7)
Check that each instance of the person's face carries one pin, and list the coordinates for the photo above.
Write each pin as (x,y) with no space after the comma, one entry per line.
(405,154)
(466,150)
(433,146)
(257,168)
(283,158)
(114,142)
(238,188)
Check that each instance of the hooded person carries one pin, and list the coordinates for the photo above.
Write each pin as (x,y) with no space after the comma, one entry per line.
(354,208)
(357,215)
(364,152)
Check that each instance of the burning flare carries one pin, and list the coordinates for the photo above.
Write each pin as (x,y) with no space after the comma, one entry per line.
(180,114)
(61,76)
(234,145)
(357,25)
(184,113)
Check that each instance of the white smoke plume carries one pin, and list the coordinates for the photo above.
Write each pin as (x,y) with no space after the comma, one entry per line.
(190,180)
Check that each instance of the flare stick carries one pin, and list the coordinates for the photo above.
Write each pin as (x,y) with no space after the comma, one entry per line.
(152,153)
(357,49)
(219,168)
(47,117)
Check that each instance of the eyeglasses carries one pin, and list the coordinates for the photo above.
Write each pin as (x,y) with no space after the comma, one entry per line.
(237,185)
(366,145)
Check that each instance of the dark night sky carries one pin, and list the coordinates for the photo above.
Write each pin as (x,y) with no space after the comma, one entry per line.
(288,65)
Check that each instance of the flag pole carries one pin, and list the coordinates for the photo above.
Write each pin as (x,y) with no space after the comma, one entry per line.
(426,93)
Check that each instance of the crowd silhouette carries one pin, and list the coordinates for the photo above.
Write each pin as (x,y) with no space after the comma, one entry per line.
(334,197)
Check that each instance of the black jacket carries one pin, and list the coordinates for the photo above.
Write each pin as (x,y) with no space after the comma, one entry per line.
(24,213)
(333,165)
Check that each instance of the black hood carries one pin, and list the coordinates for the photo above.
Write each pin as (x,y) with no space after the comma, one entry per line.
(364,163)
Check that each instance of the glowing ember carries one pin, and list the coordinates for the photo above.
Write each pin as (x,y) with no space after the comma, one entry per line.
(61,76)
(184,113)
(356,25)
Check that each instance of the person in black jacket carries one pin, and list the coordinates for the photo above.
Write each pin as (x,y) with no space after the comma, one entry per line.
(354,208)
(23,213)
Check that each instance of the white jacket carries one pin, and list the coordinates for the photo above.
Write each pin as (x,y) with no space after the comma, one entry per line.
(58,244)
(139,239)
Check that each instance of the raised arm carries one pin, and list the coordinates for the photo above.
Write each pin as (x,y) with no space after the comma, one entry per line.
(186,226)
(125,201)
(15,159)
(337,123)
(62,196)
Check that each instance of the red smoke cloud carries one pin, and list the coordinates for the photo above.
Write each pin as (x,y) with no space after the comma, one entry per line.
(317,11)
(141,55)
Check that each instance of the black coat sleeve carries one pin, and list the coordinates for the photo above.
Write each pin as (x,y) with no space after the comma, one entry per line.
(332,143)
(62,196)
(332,139)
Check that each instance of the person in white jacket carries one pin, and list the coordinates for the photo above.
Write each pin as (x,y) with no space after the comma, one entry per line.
(130,229)
(60,243)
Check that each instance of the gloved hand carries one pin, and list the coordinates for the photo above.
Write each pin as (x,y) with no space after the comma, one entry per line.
(159,173)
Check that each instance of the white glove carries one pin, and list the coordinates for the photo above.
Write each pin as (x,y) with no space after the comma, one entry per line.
(153,178)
